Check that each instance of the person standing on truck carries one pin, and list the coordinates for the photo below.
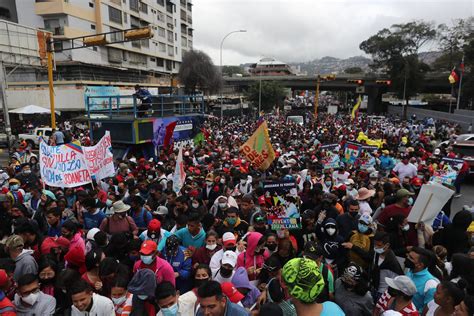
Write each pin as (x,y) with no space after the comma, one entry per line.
(145,96)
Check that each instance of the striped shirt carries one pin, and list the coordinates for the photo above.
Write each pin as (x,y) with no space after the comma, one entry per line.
(385,303)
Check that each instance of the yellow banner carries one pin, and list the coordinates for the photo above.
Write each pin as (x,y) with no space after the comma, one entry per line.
(355,109)
(368,141)
(258,149)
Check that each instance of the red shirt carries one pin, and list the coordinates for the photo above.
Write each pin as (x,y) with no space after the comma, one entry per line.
(163,270)
(393,210)
(383,305)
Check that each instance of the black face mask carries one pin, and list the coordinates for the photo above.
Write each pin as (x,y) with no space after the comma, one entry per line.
(409,264)
(272,247)
(260,252)
(226,273)
(231,248)
(198,283)
(353,214)
(392,292)
(47,281)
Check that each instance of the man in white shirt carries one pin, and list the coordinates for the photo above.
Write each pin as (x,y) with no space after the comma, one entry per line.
(229,242)
(340,176)
(226,270)
(405,169)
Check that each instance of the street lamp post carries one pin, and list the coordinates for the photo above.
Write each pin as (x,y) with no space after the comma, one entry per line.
(222,43)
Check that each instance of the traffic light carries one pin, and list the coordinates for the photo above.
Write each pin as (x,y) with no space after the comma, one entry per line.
(356,81)
(384,82)
(136,34)
(96,40)
(329,77)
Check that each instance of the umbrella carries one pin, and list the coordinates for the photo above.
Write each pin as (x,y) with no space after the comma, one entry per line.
(32,109)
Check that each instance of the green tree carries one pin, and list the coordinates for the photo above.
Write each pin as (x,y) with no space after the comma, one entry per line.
(353,70)
(272,94)
(451,41)
(231,70)
(198,72)
(395,50)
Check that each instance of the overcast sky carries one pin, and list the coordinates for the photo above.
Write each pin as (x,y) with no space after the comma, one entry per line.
(302,30)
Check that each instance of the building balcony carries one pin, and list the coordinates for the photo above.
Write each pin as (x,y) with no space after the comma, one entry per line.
(55,7)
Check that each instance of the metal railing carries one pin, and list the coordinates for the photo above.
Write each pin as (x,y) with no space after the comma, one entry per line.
(120,106)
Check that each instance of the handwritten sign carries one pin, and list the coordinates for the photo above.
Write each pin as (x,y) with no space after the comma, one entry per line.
(351,153)
(330,156)
(99,158)
(63,166)
(283,211)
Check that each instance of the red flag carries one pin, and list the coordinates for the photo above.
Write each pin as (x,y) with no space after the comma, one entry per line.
(206,133)
(169,133)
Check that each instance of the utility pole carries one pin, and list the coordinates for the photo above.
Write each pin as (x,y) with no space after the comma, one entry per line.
(316,97)
(3,92)
(50,81)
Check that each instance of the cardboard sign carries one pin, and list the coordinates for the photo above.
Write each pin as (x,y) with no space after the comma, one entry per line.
(283,213)
(330,156)
(100,159)
(449,171)
(258,149)
(351,153)
(431,199)
(366,159)
(63,166)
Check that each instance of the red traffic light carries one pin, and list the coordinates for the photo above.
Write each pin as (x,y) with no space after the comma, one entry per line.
(356,81)
(384,82)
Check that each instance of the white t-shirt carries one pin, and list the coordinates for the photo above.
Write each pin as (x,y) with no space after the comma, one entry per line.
(408,170)
(340,178)
(364,208)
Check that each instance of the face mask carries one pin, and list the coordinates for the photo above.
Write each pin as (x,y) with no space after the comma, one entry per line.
(231,221)
(222,181)
(331,231)
(272,247)
(27,196)
(406,227)
(108,203)
(30,299)
(209,183)
(410,201)
(195,205)
(170,311)
(379,250)
(146,259)
(226,273)
(142,297)
(222,205)
(26,172)
(150,177)
(211,247)
(363,228)
(199,282)
(14,187)
(328,183)
(119,300)
(243,181)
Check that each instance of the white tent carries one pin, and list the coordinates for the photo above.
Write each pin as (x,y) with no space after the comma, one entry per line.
(32,109)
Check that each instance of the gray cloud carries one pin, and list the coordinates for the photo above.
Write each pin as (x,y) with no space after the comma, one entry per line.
(301,30)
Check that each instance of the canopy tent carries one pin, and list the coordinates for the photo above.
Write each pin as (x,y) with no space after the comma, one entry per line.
(32,109)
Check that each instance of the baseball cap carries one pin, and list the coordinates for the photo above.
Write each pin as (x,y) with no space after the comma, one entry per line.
(148,246)
(229,257)
(366,219)
(228,239)
(303,279)
(14,241)
(154,225)
(3,277)
(403,192)
(352,273)
(161,210)
(231,292)
(403,284)
(313,250)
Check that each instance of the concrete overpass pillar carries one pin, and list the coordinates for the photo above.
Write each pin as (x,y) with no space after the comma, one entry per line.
(374,103)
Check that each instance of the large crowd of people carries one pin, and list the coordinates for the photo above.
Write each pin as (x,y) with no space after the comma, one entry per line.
(131,245)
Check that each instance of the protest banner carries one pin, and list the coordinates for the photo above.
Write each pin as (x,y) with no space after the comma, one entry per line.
(431,199)
(448,171)
(63,166)
(351,153)
(99,158)
(330,156)
(258,149)
(283,211)
(366,159)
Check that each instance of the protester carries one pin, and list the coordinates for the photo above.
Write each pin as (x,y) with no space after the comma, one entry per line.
(213,302)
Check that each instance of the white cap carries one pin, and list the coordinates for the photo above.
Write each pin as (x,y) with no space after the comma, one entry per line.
(403,284)
(229,257)
(161,210)
(349,181)
(91,233)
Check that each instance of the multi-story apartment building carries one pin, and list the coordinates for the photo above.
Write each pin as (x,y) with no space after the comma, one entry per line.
(170,20)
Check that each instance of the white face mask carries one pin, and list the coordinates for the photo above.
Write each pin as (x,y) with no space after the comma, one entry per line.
(243,181)
(195,205)
(406,228)
(211,247)
(222,180)
(379,250)
(142,297)
(331,231)
(119,300)
(222,205)
(31,298)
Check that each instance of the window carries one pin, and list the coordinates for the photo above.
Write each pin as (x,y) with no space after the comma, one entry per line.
(94,48)
(170,36)
(176,36)
(160,16)
(136,58)
(190,44)
(152,59)
(145,43)
(169,65)
(116,37)
(134,22)
(160,62)
(134,5)
(190,7)
(161,32)
(184,41)
(114,54)
(143,7)
(162,47)
(92,27)
(170,50)
(125,17)
(115,15)
(169,7)
(161,2)
(91,5)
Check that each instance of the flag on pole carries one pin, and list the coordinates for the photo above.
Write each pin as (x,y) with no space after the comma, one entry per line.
(169,133)
(258,149)
(355,109)
(179,175)
(453,76)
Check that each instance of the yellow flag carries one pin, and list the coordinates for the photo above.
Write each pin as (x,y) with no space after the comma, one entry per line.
(258,149)
(355,109)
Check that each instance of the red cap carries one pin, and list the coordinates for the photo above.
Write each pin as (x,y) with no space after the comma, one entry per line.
(261,200)
(231,292)
(194,193)
(3,278)
(154,225)
(148,246)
